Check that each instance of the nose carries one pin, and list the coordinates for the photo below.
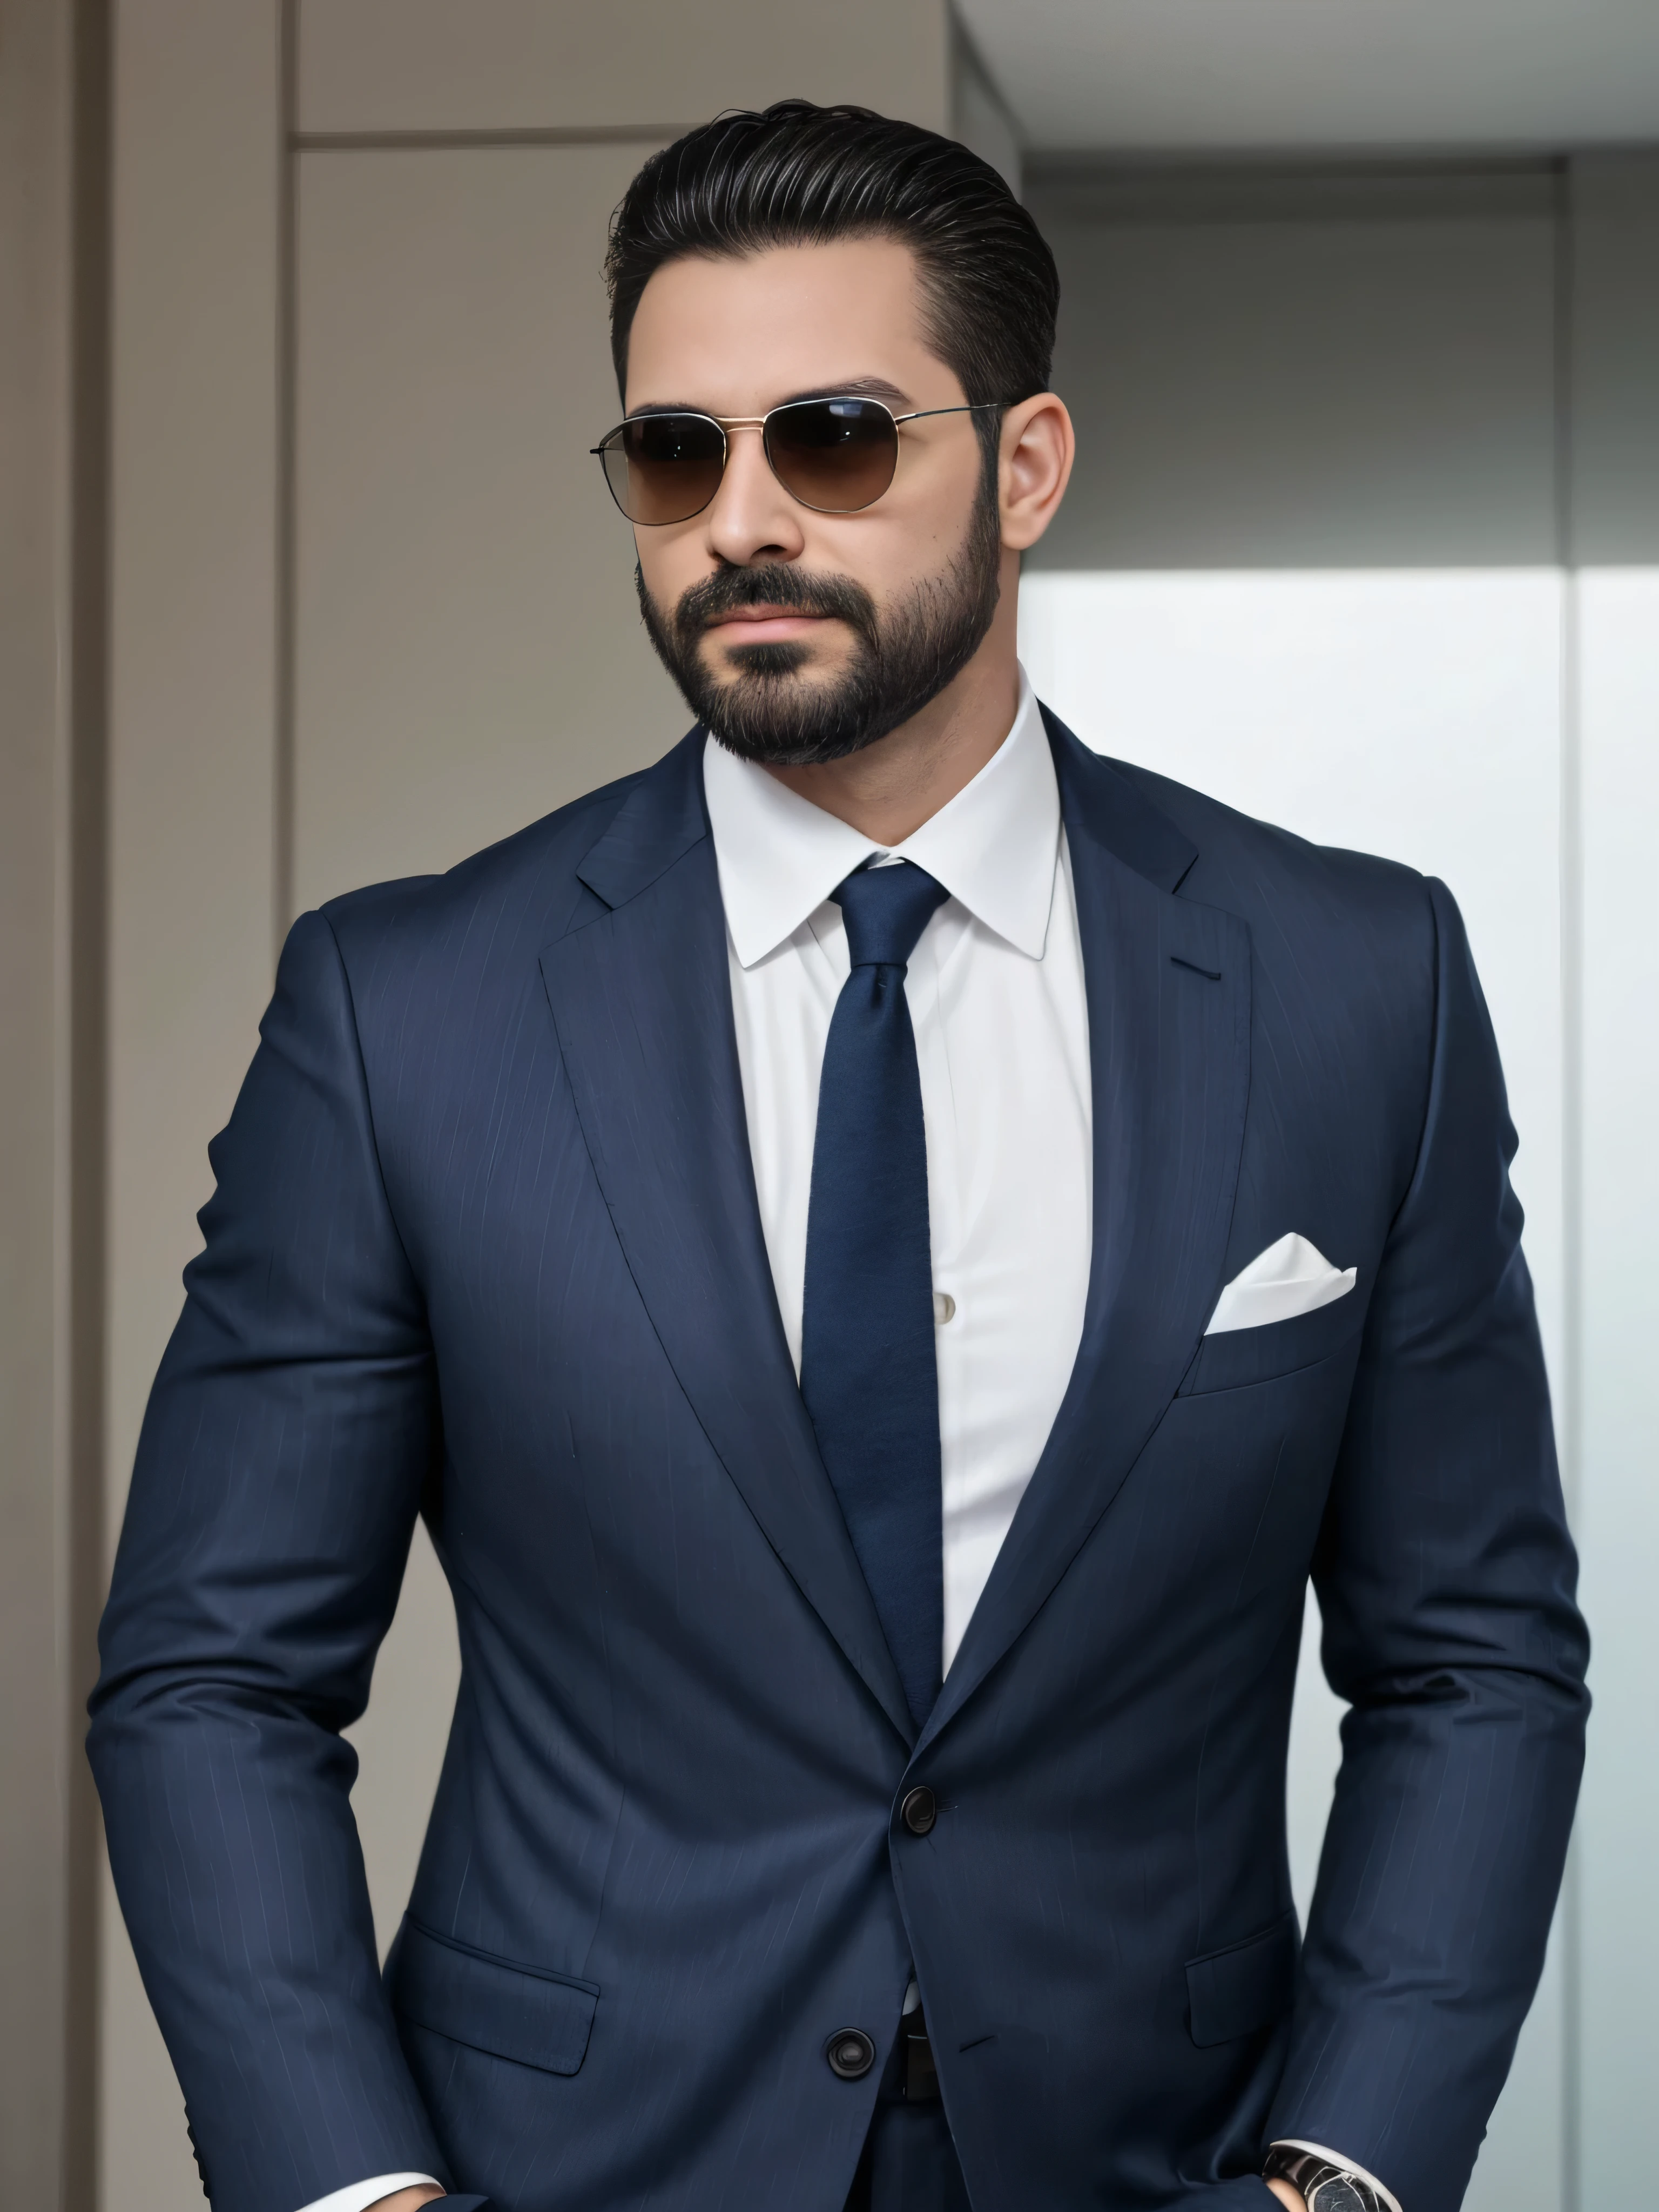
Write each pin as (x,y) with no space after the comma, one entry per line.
(752,518)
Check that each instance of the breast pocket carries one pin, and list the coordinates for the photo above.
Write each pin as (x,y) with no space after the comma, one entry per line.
(1241,1356)
(527,2014)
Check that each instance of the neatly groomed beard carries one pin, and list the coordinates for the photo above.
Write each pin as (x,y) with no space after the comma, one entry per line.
(900,660)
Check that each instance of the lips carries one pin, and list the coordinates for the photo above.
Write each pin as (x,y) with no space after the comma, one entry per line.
(771,603)
(767,613)
(758,627)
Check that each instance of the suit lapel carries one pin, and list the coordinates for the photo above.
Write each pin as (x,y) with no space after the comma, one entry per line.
(1168,983)
(640,996)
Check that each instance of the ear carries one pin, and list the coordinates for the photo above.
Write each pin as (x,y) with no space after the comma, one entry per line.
(1034,467)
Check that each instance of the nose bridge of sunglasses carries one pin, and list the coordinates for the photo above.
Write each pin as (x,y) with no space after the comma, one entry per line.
(744,432)
(750,466)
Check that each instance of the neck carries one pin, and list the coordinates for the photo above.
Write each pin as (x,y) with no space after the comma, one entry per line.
(887,791)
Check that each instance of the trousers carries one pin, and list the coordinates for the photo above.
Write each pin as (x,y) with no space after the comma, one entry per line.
(908,2162)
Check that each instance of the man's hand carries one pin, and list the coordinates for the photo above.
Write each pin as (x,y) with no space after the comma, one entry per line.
(1292,2199)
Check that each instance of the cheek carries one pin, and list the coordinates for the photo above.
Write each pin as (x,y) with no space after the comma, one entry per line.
(669,566)
(882,552)
(914,530)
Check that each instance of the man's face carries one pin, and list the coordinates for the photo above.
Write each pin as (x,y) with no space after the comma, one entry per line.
(801,636)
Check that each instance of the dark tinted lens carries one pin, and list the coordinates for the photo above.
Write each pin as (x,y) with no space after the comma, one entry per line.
(665,468)
(837,455)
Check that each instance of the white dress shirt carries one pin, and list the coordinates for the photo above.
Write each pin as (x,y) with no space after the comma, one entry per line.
(359,2195)
(996,998)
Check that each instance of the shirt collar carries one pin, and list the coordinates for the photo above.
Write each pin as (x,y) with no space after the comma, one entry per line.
(993,847)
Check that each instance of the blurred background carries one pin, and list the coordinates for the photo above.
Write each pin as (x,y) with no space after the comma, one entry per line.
(307,578)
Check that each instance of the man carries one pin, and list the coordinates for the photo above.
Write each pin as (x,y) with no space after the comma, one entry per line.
(886,1250)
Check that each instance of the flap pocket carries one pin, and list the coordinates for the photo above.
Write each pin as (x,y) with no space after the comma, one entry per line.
(527,2014)
(1245,1987)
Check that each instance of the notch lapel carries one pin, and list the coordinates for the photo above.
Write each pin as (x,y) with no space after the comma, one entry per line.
(641,998)
(1168,986)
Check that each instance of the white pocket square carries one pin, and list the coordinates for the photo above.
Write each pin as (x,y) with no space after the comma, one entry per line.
(1290,1278)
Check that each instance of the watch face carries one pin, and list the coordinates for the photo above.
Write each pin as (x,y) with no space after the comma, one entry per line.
(1337,2195)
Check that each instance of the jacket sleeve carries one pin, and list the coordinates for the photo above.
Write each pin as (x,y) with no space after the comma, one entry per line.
(291,1429)
(1445,1576)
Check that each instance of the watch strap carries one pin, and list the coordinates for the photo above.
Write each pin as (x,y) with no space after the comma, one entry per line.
(1326,2184)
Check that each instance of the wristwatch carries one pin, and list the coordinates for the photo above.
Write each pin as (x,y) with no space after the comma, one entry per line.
(1325,2187)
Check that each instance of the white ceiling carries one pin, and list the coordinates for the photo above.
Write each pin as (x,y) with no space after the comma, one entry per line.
(1374,74)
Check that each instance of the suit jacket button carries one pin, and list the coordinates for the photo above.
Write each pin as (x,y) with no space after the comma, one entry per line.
(850,2053)
(919,1811)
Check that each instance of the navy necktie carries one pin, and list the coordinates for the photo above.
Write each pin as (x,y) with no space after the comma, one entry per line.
(867,1368)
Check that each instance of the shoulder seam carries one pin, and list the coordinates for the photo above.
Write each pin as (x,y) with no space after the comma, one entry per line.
(368,1100)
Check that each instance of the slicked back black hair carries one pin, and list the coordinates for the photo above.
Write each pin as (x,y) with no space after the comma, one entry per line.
(800,175)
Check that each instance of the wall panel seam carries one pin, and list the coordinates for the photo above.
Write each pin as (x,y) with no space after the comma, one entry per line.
(88,1075)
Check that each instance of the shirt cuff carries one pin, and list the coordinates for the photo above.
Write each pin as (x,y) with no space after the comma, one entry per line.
(359,2195)
(1292,2142)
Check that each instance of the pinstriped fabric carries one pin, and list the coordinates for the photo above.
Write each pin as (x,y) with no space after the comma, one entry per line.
(484,1245)
(290,1431)
(1464,1688)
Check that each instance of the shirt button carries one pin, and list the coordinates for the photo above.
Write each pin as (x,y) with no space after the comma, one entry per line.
(850,2053)
(919,1810)
(945,1306)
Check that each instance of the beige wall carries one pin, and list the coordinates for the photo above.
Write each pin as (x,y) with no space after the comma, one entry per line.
(192,758)
(371,606)
(33,357)
(426,66)
(466,657)
(53,206)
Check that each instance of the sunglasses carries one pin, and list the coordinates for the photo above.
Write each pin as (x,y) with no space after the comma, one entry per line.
(836,456)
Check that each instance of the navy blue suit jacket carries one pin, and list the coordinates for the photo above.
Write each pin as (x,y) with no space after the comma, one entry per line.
(485,1247)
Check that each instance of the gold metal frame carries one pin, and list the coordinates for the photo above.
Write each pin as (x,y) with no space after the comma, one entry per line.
(726,423)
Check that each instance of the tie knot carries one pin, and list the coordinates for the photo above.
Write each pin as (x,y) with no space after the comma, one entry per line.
(886,910)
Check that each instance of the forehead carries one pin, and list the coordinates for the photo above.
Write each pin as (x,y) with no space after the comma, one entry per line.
(737,334)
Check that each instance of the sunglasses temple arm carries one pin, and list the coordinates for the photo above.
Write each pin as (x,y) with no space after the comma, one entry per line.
(979,407)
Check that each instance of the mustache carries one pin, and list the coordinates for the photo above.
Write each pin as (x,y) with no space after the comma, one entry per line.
(717,596)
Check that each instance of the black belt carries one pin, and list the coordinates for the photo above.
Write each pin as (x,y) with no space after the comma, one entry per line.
(908,2156)
(910,2076)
